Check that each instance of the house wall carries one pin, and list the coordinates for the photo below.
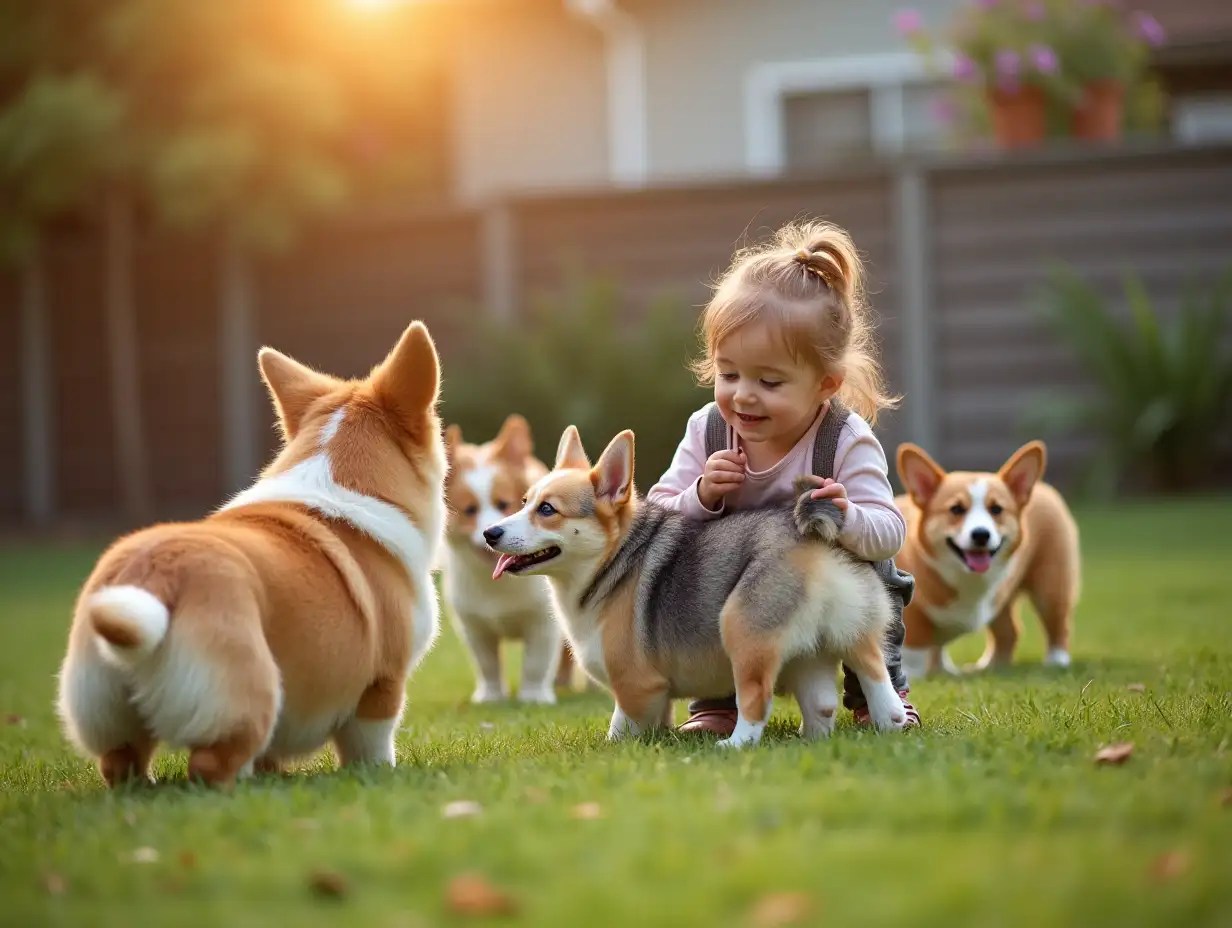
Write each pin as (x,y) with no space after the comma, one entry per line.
(529,99)
(700,53)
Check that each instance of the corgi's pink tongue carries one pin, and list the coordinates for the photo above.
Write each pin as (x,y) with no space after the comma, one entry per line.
(502,562)
(978,561)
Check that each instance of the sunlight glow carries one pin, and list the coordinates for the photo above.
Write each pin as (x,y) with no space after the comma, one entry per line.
(374,6)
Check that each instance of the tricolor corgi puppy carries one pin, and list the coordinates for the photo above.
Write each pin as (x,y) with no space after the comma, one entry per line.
(975,541)
(656,606)
(486,483)
(291,617)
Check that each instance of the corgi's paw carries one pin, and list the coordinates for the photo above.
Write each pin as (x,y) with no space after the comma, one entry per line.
(538,696)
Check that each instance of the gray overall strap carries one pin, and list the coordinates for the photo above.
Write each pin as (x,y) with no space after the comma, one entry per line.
(716,431)
(825,447)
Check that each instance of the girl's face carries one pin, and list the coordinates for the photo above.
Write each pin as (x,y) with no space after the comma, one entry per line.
(764,393)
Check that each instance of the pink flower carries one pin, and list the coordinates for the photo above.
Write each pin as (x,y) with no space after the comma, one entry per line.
(1149,28)
(965,69)
(908,22)
(1008,65)
(1044,59)
(1034,11)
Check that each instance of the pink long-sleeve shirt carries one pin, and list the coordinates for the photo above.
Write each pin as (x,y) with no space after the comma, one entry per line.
(873,528)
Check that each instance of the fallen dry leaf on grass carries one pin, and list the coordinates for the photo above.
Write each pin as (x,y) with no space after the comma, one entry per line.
(463,808)
(779,909)
(54,884)
(1115,753)
(472,894)
(1136,687)
(15,719)
(145,855)
(587,811)
(1169,866)
(327,883)
(188,860)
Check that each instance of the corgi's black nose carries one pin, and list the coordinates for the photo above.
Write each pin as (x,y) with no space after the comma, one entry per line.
(979,536)
(493,535)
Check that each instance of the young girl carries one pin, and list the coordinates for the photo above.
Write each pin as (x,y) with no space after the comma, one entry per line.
(789,349)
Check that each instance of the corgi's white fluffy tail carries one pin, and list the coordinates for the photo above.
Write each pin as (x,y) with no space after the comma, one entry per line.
(129,622)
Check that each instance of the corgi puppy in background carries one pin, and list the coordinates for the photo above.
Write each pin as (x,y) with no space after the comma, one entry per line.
(486,483)
(290,618)
(976,542)
(657,606)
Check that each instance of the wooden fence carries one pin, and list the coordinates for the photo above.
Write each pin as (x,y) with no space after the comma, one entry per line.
(955,247)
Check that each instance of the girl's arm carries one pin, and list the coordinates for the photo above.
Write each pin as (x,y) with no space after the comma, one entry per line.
(677,489)
(873,529)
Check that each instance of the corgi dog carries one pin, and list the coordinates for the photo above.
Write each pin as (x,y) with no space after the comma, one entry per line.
(292,616)
(975,542)
(656,606)
(486,483)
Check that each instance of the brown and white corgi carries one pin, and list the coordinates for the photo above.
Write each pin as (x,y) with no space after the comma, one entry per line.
(291,617)
(975,542)
(656,606)
(486,483)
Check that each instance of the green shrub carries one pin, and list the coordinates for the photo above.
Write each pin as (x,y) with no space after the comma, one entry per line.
(577,359)
(1162,386)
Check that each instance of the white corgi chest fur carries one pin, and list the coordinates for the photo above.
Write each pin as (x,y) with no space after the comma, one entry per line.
(976,596)
(581,627)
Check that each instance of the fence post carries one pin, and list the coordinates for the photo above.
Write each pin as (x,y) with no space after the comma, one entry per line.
(237,349)
(500,277)
(37,447)
(913,233)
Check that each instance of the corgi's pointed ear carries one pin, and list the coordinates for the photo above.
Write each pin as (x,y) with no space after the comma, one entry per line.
(1024,469)
(612,477)
(513,443)
(453,438)
(920,474)
(570,455)
(294,387)
(408,382)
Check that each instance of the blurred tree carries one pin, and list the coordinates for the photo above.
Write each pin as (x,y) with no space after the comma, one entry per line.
(245,119)
(58,120)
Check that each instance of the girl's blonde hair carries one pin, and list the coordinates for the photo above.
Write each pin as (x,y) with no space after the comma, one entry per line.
(809,283)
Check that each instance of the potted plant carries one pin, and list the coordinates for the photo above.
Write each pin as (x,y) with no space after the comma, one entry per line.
(1106,52)
(1029,63)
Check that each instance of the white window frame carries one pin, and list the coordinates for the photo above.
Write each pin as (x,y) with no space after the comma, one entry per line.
(768,84)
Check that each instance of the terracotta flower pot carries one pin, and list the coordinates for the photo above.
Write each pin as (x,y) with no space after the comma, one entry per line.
(1018,117)
(1098,114)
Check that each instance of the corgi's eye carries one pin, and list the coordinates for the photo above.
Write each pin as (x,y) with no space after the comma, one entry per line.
(472,510)
(502,505)
(958,509)
(995,509)
(546,510)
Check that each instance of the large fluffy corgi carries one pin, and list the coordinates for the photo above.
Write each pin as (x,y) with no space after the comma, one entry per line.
(486,483)
(656,606)
(975,542)
(291,617)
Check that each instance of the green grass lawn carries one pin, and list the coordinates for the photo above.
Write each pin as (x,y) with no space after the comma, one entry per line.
(994,814)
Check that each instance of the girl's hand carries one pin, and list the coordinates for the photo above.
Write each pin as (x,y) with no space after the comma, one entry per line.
(830,489)
(724,473)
